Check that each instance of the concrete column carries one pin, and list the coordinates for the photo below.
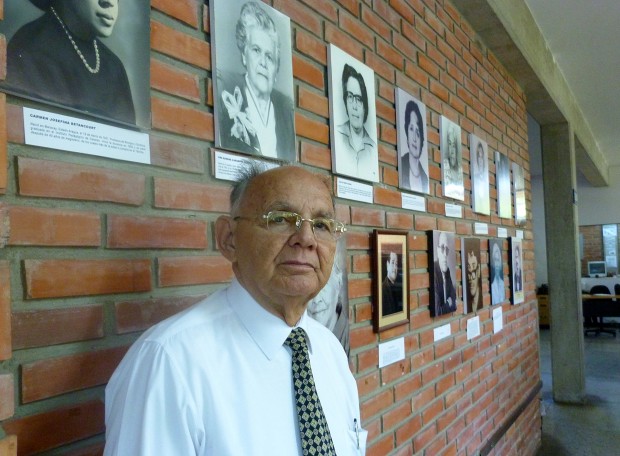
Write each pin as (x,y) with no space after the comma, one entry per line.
(559,181)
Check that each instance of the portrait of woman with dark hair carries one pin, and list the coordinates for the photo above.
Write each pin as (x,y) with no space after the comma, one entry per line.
(60,57)
(354,148)
(412,151)
(253,115)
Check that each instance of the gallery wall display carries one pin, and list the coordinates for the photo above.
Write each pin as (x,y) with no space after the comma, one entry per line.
(353,118)
(516,270)
(479,165)
(472,274)
(331,306)
(519,193)
(412,143)
(502,181)
(443,273)
(496,266)
(451,159)
(391,272)
(95,60)
(253,83)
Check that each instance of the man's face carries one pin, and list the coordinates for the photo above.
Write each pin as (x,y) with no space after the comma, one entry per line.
(392,267)
(452,149)
(259,59)
(442,252)
(355,105)
(497,260)
(279,269)
(473,273)
(413,138)
(89,18)
(480,157)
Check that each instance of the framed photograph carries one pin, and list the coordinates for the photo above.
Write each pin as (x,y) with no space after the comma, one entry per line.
(391,277)
(353,117)
(496,266)
(472,274)
(479,161)
(451,159)
(519,191)
(95,61)
(253,79)
(502,181)
(331,306)
(412,143)
(516,270)
(443,273)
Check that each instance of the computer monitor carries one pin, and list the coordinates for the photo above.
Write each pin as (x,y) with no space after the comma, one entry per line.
(597,269)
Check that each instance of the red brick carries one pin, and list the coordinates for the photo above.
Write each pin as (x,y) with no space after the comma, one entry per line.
(65,180)
(176,118)
(359,288)
(63,278)
(183,10)
(178,155)
(396,415)
(175,194)
(174,81)
(375,404)
(308,72)
(5,311)
(52,377)
(313,102)
(311,129)
(44,327)
(312,47)
(54,428)
(315,155)
(178,45)
(299,14)
(7,397)
(176,271)
(367,217)
(51,227)
(8,445)
(357,29)
(15,123)
(125,232)
(387,197)
(139,315)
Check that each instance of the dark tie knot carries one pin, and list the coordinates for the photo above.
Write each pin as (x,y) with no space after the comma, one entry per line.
(297,340)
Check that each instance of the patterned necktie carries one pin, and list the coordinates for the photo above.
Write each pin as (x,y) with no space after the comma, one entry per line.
(315,436)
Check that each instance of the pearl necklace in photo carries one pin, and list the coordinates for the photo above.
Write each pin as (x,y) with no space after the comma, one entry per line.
(79,53)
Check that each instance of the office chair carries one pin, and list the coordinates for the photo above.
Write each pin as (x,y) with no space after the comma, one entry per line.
(594,309)
(617,289)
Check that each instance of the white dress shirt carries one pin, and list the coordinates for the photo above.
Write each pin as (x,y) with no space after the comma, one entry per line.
(216,380)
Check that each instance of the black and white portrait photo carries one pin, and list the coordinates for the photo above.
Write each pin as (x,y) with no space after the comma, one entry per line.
(90,56)
(502,180)
(496,263)
(443,273)
(518,180)
(472,274)
(353,119)
(516,270)
(479,165)
(451,160)
(412,143)
(253,79)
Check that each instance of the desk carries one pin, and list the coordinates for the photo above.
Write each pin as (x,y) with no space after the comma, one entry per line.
(588,282)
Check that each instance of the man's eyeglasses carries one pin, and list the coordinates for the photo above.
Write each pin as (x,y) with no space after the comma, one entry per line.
(351,97)
(444,249)
(285,222)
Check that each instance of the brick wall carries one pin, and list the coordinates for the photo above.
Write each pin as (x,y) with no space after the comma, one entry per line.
(95,250)
(592,246)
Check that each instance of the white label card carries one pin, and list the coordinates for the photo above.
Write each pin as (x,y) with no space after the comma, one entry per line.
(353,190)
(454,210)
(481,228)
(473,327)
(498,320)
(413,202)
(442,332)
(392,351)
(502,232)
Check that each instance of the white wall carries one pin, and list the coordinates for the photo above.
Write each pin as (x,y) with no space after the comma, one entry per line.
(538,200)
(600,205)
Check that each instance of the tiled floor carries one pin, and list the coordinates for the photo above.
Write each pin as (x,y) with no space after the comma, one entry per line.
(584,430)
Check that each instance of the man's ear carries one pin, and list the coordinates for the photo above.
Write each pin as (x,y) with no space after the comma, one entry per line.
(224,237)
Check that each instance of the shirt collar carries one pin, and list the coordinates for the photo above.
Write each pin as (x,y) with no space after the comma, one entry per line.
(267,330)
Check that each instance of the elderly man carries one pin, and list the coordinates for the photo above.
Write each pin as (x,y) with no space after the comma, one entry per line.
(445,292)
(392,292)
(221,378)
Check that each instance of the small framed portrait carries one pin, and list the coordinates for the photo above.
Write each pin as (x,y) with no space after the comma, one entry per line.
(253,79)
(331,306)
(516,270)
(412,143)
(472,274)
(443,273)
(94,60)
(479,165)
(391,277)
(496,266)
(353,117)
(502,181)
(518,180)
(451,160)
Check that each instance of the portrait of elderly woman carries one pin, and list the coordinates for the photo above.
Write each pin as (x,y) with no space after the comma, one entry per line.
(479,175)
(412,150)
(64,52)
(451,160)
(254,111)
(353,118)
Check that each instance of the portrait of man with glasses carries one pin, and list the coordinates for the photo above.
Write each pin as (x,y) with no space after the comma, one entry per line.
(353,117)
(443,273)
